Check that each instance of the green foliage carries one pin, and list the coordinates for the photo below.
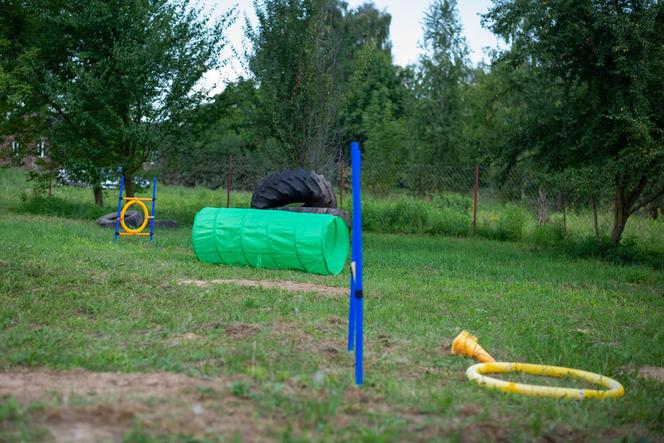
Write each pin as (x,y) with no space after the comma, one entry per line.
(386,146)
(506,225)
(449,222)
(412,216)
(302,56)
(581,87)
(626,252)
(59,207)
(374,89)
(548,235)
(196,153)
(18,57)
(458,202)
(115,75)
(438,113)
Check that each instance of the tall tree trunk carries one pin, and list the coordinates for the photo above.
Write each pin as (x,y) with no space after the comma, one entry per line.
(620,212)
(593,204)
(130,186)
(99,195)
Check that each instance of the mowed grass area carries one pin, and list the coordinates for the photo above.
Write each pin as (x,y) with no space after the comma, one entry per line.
(268,364)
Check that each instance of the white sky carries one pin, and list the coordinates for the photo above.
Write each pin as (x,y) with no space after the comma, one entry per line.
(405,31)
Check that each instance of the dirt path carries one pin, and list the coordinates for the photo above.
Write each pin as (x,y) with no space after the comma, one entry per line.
(85,407)
(269,284)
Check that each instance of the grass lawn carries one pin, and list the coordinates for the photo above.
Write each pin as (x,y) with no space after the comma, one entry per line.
(101,339)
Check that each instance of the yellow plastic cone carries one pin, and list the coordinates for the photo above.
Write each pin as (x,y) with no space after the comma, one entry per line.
(466,344)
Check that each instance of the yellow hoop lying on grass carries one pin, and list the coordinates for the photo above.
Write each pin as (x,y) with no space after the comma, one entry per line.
(475,373)
(146,215)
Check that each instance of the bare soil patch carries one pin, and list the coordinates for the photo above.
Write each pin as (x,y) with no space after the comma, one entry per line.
(268,284)
(82,406)
(241,330)
(187,336)
(652,372)
(35,385)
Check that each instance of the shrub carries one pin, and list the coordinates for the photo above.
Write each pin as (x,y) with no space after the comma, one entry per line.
(59,207)
(395,216)
(508,225)
(448,221)
(590,247)
(457,202)
(549,235)
(409,216)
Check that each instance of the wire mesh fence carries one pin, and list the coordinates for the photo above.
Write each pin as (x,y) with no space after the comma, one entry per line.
(418,180)
(475,193)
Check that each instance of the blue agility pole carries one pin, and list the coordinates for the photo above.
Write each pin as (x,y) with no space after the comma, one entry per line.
(356,274)
(117,219)
(351,311)
(154,198)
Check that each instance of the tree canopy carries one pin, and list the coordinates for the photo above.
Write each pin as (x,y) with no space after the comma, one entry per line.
(576,96)
(588,81)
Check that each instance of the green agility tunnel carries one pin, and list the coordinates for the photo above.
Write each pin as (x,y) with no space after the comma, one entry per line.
(316,243)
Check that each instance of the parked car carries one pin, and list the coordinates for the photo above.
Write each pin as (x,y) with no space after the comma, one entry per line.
(110,182)
(140,183)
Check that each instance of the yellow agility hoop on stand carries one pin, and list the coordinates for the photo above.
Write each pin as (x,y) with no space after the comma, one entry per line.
(476,373)
(148,216)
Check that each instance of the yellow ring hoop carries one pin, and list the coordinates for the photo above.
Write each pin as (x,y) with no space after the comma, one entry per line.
(146,216)
(475,373)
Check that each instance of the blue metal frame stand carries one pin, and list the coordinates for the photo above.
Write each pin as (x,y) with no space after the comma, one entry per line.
(154,199)
(117,219)
(121,199)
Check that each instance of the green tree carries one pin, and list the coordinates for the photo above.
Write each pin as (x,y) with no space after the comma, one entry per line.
(130,70)
(303,54)
(196,152)
(387,141)
(591,80)
(19,102)
(374,81)
(441,80)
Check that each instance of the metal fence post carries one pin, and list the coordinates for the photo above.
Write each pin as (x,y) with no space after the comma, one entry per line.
(477,183)
(120,204)
(229,172)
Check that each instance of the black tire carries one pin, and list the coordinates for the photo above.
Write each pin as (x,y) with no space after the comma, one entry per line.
(133,219)
(332,211)
(294,186)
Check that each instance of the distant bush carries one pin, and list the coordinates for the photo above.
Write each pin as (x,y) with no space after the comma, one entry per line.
(414,216)
(590,247)
(395,216)
(457,202)
(59,207)
(508,224)
(443,215)
(450,222)
(548,235)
